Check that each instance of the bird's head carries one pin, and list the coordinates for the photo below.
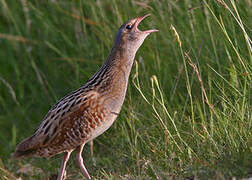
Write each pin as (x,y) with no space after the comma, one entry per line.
(130,36)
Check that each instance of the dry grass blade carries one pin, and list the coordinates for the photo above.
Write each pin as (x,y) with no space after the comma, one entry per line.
(176,35)
(195,69)
(11,90)
(76,16)
(40,79)
(5,174)
(15,38)
(68,59)
(143,4)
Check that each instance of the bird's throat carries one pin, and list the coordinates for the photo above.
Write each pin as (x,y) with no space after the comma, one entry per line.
(121,58)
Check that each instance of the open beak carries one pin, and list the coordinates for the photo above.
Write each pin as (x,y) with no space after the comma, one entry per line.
(139,19)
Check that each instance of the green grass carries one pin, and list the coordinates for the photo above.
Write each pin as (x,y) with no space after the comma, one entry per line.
(188,110)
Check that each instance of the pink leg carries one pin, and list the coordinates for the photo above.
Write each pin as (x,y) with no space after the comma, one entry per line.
(63,165)
(80,162)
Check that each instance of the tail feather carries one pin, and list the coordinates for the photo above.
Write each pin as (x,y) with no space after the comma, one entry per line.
(26,148)
(23,154)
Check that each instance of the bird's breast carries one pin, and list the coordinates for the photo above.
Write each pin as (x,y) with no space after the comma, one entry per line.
(109,103)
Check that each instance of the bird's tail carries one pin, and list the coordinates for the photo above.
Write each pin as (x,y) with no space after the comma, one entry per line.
(26,148)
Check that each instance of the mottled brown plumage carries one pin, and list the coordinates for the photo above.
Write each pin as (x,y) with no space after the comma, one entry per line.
(87,112)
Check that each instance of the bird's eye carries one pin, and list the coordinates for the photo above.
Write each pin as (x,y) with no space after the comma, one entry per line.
(128,27)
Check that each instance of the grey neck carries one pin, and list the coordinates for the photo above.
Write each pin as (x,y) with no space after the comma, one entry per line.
(121,57)
(119,60)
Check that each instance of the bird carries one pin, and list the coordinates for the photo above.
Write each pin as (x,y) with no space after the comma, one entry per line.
(87,112)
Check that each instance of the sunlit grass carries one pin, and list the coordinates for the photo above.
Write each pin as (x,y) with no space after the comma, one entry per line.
(188,107)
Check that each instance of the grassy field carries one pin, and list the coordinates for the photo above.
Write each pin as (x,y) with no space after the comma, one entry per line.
(188,109)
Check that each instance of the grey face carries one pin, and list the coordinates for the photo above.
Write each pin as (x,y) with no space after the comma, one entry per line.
(130,35)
